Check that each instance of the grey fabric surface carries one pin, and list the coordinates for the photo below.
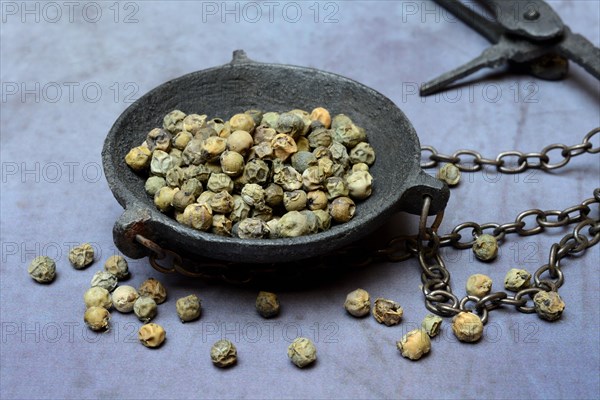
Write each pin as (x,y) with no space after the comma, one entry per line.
(66,78)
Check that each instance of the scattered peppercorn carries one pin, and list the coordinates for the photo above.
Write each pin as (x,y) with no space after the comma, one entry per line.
(479,285)
(188,308)
(124,298)
(153,288)
(485,247)
(467,327)
(358,303)
(151,335)
(450,174)
(387,312)
(415,344)
(223,353)
(267,304)
(548,305)
(145,308)
(117,265)
(517,280)
(42,269)
(81,256)
(96,318)
(97,296)
(431,324)
(302,352)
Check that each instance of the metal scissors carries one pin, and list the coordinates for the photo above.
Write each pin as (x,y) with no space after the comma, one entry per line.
(527,33)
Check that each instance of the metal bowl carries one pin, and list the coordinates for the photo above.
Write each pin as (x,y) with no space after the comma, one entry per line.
(399,183)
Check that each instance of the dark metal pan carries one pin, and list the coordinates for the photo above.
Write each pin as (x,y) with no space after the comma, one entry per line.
(399,183)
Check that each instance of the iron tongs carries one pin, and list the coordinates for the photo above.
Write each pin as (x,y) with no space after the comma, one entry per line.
(525,31)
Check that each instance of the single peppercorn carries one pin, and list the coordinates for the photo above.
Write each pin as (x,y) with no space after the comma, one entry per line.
(294,200)
(323,220)
(96,318)
(161,163)
(342,209)
(414,345)
(151,335)
(193,123)
(173,121)
(256,171)
(322,115)
(320,137)
(339,120)
(145,308)
(302,160)
(97,296)
(479,285)
(387,312)
(174,177)
(251,228)
(485,247)
(181,140)
(221,203)
(267,304)
(548,305)
(188,308)
(283,146)
(288,178)
(240,142)
(359,184)
(256,115)
(302,352)
(273,195)
(198,216)
(363,152)
(450,174)
(117,265)
(253,194)
(431,324)
(349,135)
(42,269)
(182,199)
(316,200)
(124,298)
(223,353)
(311,220)
(104,279)
(232,163)
(242,122)
(154,184)
(517,280)
(138,158)
(163,199)
(154,289)
(292,224)
(81,256)
(221,225)
(467,327)
(241,209)
(159,139)
(358,303)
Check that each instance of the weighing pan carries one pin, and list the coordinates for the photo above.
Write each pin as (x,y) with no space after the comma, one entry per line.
(399,183)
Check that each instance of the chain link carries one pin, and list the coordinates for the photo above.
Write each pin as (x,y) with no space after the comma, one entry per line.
(512,162)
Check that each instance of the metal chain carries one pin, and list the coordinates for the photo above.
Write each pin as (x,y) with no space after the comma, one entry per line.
(512,162)
(436,288)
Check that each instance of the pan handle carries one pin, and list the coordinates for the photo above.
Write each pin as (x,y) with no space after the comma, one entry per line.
(134,221)
(240,57)
(423,185)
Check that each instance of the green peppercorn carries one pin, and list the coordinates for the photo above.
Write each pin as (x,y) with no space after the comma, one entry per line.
(302,144)
(151,335)
(216,123)
(358,303)
(283,146)
(153,288)
(322,115)
(387,312)
(42,269)
(316,200)
(288,178)
(175,177)
(360,167)
(340,120)
(267,304)
(302,352)
(159,139)
(479,285)
(200,172)
(105,280)
(313,178)
(223,353)
(359,185)
(241,209)
(306,121)
(342,209)
(240,142)
(349,135)
(198,216)
(302,160)
(263,134)
(97,297)
(181,140)
(138,158)
(414,345)
(450,174)
(173,121)
(219,182)
(517,279)
(485,247)
(251,228)
(214,167)
(311,220)
(221,225)
(209,131)
(548,305)
(294,200)
(467,327)
(176,157)
(269,119)
(289,124)
(212,148)
(362,153)
(326,166)
(117,265)
(431,324)
(322,152)
(163,199)
(292,224)
(192,186)
(256,171)
(81,256)
(205,197)
(161,163)
(182,199)
(336,187)
(193,123)
(192,153)
(221,202)
(339,154)
(188,308)
(96,318)
(242,122)
(145,308)
(262,150)
(124,298)
(253,194)
(154,184)
(273,195)
(323,220)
